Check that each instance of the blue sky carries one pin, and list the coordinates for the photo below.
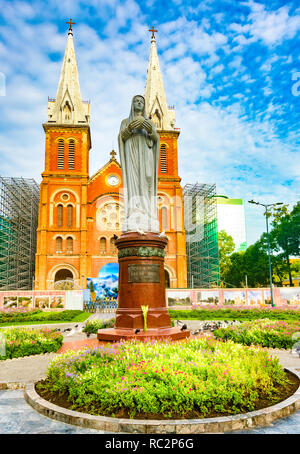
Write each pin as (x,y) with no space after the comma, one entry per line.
(230,68)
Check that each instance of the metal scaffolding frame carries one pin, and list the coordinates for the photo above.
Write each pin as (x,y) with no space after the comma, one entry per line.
(19,202)
(201,229)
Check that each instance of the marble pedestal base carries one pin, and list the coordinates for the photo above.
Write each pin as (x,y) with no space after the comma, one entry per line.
(141,283)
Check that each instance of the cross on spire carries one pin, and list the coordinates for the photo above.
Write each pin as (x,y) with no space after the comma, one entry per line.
(153,31)
(71,23)
(113,154)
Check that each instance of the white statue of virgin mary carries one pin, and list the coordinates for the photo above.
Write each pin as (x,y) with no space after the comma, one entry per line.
(139,155)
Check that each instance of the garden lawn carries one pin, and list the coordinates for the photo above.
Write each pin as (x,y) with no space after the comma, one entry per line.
(21,342)
(267,333)
(201,377)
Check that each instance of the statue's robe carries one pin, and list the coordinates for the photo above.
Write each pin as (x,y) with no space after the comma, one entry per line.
(139,156)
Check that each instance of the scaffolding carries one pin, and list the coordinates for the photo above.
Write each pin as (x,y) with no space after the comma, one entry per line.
(19,200)
(201,229)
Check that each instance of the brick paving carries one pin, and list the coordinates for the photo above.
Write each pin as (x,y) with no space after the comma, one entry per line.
(79,344)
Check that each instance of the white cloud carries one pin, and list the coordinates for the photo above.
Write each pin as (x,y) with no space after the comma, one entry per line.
(270,27)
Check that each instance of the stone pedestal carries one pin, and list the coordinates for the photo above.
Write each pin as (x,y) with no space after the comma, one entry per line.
(141,283)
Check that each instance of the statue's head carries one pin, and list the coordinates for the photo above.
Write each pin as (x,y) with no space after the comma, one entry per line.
(138,104)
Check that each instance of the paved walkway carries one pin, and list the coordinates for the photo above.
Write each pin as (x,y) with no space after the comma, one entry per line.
(18,417)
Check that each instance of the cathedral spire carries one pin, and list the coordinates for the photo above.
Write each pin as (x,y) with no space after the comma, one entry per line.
(68,107)
(155,97)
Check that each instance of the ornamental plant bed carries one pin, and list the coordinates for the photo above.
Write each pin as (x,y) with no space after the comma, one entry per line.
(267,333)
(198,378)
(21,342)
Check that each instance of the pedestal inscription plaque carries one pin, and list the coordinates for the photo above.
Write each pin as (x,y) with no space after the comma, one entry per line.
(143,273)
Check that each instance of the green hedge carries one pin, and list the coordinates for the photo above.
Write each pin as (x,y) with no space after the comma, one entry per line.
(235,314)
(37,315)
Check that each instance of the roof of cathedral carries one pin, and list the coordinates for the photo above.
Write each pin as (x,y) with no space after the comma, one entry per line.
(112,161)
(155,97)
(68,107)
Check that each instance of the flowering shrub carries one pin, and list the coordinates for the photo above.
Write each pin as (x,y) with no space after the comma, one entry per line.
(25,342)
(237,313)
(167,379)
(267,333)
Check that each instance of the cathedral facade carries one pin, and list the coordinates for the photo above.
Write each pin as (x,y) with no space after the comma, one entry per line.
(80,215)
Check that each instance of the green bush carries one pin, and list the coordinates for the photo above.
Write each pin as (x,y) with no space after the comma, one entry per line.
(165,378)
(267,333)
(24,342)
(92,326)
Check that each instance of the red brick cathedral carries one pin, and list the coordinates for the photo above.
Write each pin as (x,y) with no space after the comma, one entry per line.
(80,215)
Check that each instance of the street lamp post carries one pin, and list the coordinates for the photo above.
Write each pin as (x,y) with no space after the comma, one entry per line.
(266,206)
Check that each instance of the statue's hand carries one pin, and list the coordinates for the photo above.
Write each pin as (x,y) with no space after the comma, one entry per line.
(147,125)
(125,133)
(134,124)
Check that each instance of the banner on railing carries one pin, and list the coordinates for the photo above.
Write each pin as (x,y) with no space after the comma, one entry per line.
(259,297)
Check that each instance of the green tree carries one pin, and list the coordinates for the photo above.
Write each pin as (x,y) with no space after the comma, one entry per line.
(235,273)
(284,242)
(226,248)
(252,263)
(285,235)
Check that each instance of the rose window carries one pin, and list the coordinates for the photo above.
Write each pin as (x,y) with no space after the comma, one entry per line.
(110,216)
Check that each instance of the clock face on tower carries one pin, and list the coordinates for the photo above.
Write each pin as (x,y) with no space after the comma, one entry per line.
(113,180)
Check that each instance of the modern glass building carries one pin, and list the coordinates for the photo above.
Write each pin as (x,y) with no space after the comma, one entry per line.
(231,218)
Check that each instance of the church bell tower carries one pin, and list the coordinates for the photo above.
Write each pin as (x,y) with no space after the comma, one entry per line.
(170,200)
(62,230)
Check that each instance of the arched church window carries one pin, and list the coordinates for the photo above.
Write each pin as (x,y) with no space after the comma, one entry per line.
(69,244)
(164,218)
(59,215)
(69,215)
(71,154)
(58,244)
(163,158)
(61,154)
(103,246)
(113,248)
